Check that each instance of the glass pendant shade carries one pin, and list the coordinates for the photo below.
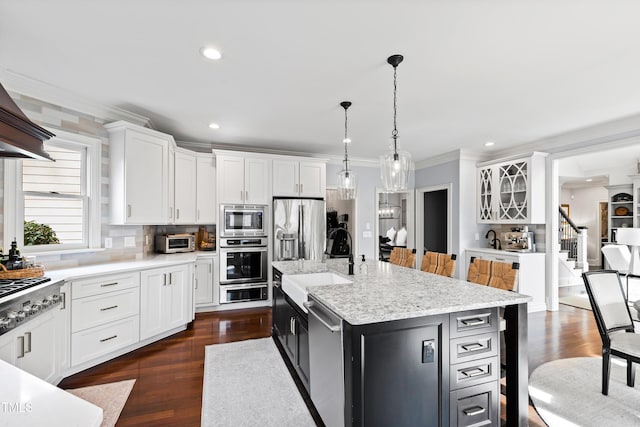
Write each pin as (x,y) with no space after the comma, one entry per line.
(347,185)
(394,169)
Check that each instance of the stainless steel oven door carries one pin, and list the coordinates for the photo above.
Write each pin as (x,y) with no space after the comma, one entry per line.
(244,293)
(243,265)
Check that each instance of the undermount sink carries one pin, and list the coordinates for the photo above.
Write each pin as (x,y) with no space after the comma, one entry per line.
(295,285)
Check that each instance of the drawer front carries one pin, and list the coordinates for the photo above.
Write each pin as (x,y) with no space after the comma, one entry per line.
(474,347)
(473,372)
(103,284)
(98,310)
(95,342)
(475,406)
(472,322)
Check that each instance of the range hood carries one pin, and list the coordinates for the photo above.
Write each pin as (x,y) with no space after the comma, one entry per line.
(19,136)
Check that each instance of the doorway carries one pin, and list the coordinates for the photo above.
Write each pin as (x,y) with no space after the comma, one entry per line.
(433,218)
(341,214)
(396,220)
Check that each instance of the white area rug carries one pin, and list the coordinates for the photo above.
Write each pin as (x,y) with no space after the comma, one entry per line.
(580,301)
(246,383)
(110,397)
(567,393)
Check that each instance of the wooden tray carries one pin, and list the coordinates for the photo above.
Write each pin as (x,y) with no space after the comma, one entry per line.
(23,273)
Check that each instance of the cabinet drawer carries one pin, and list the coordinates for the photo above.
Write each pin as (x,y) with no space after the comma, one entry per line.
(474,347)
(471,322)
(97,310)
(473,372)
(474,406)
(95,342)
(103,284)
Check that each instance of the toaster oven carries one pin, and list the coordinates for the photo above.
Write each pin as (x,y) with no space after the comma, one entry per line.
(174,243)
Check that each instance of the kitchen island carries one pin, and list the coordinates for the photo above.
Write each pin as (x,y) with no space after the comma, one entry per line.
(422,348)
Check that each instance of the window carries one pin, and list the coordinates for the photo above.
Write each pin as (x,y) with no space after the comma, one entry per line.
(56,204)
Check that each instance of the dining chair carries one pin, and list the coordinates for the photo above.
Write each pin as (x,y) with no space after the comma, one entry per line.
(429,262)
(446,264)
(403,257)
(479,271)
(614,322)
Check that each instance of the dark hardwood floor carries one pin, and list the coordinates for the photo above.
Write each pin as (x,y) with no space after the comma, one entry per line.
(168,389)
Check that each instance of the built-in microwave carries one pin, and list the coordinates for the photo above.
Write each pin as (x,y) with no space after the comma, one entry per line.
(243,220)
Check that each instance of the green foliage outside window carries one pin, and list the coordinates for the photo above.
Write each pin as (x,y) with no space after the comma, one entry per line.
(39,234)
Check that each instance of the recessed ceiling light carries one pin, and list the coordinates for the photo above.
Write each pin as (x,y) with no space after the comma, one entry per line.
(211,53)
(214,126)
(489,144)
(589,179)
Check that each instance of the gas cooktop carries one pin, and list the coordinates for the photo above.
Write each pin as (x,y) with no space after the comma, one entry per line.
(9,286)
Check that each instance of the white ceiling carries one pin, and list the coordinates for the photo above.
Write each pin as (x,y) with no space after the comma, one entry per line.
(502,70)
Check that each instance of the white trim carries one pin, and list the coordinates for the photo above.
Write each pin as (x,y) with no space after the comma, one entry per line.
(14,200)
(28,86)
(419,220)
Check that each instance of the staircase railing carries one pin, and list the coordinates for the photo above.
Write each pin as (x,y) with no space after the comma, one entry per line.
(573,239)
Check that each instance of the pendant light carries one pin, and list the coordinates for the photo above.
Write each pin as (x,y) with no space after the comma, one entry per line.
(346,177)
(395,164)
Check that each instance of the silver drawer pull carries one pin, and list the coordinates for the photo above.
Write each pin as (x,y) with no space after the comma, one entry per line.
(107,339)
(473,322)
(473,372)
(109,308)
(472,346)
(27,336)
(476,410)
(104,285)
(21,347)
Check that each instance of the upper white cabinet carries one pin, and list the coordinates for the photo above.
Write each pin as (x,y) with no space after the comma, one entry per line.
(139,174)
(243,180)
(206,212)
(185,187)
(296,178)
(512,191)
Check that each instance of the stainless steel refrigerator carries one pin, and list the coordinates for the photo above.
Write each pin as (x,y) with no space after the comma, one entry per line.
(299,228)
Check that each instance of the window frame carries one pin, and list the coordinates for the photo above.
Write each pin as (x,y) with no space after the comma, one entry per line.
(14,196)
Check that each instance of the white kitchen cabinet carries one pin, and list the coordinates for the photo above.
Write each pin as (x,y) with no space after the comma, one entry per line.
(243,180)
(530,272)
(512,191)
(295,178)
(35,347)
(165,299)
(139,174)
(206,212)
(206,282)
(185,187)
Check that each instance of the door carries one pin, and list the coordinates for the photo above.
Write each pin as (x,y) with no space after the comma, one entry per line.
(185,188)
(177,298)
(204,281)
(313,179)
(436,220)
(206,212)
(286,178)
(40,340)
(152,286)
(257,183)
(230,172)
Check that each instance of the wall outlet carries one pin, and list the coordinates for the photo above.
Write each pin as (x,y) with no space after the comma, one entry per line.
(477,236)
(367,235)
(129,241)
(368,226)
(108,242)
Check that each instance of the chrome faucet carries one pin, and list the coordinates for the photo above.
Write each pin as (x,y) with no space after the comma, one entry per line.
(495,244)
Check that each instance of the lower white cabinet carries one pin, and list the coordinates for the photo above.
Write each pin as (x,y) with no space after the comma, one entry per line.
(531,269)
(104,315)
(165,299)
(206,279)
(37,346)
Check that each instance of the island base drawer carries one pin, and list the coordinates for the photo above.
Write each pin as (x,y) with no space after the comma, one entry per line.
(475,406)
(472,322)
(95,342)
(474,372)
(474,347)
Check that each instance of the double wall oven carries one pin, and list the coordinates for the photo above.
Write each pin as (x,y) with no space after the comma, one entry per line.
(243,254)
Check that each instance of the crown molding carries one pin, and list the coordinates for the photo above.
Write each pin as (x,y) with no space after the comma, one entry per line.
(28,86)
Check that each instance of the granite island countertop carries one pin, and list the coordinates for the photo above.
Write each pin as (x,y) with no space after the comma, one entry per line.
(389,292)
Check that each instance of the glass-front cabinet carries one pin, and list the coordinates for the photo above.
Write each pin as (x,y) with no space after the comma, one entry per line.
(512,191)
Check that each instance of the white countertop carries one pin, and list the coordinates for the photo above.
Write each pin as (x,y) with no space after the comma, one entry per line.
(27,401)
(389,292)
